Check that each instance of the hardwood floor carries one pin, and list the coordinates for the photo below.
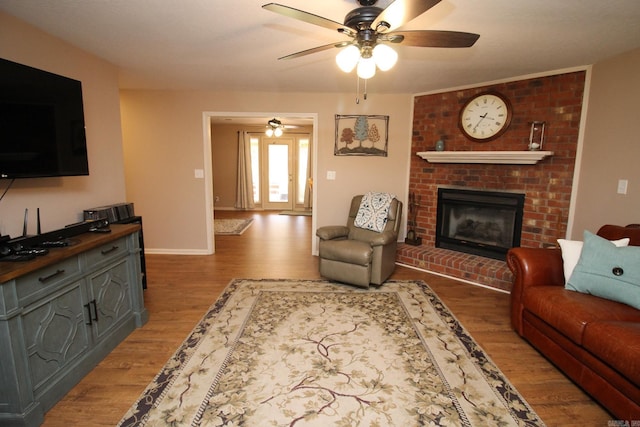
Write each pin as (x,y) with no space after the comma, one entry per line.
(181,289)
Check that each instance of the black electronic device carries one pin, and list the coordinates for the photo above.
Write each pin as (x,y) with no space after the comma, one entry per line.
(54,243)
(57,238)
(42,131)
(26,248)
(17,258)
(114,213)
(25,222)
(33,251)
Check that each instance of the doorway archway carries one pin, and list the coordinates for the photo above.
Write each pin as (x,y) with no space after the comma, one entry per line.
(249,118)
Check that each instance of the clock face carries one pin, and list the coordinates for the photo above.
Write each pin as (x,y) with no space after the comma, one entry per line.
(485,116)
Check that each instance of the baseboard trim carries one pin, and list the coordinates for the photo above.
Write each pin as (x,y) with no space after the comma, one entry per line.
(160,251)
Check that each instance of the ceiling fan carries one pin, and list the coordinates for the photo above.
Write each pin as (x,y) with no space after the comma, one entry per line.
(371,29)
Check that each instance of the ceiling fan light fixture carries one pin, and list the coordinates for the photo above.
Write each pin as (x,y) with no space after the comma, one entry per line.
(385,57)
(274,123)
(366,68)
(274,127)
(348,58)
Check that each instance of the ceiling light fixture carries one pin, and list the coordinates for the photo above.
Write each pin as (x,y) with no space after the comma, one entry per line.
(366,59)
(274,128)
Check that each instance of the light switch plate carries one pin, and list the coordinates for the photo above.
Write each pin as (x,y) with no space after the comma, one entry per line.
(622,186)
(331,175)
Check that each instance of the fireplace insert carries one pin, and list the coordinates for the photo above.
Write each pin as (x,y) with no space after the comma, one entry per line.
(485,223)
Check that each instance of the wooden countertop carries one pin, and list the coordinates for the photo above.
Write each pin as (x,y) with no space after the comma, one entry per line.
(80,243)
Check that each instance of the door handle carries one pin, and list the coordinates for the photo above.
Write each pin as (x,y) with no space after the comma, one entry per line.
(95,310)
(88,307)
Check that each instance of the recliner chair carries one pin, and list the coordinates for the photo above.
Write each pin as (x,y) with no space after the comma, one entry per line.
(358,256)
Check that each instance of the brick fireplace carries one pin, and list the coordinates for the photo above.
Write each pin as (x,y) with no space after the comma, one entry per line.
(547,185)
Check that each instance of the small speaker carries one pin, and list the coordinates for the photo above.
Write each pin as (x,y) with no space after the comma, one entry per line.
(113,213)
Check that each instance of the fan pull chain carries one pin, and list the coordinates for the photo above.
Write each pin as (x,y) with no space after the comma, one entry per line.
(364,94)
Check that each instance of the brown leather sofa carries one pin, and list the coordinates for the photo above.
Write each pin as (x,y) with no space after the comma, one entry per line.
(594,341)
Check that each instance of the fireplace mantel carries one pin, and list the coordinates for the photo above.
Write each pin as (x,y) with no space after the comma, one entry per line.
(493,157)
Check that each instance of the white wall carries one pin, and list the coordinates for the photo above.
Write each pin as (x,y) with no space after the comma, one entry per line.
(611,149)
(62,200)
(163,144)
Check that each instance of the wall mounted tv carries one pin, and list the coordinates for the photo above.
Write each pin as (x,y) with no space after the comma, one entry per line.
(41,124)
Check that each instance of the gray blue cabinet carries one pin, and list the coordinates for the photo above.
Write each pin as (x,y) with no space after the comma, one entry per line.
(61,314)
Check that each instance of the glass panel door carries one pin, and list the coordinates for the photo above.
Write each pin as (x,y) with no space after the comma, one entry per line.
(278,174)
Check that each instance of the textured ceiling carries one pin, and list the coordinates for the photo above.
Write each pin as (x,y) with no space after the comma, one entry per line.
(234,45)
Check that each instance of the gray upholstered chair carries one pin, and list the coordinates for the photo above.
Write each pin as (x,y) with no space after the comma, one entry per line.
(358,256)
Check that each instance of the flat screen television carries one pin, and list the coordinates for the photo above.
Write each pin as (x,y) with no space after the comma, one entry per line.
(42,131)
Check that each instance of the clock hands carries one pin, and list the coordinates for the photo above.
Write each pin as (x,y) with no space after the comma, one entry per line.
(480,121)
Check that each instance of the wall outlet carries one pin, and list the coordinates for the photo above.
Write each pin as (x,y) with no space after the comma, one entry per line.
(331,175)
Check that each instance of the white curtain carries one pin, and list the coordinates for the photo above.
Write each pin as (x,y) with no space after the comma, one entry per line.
(308,189)
(244,179)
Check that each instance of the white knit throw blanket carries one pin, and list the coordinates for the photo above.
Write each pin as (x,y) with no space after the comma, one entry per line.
(373,211)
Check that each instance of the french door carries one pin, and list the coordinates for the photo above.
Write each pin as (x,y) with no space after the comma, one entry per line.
(277,173)
(280,169)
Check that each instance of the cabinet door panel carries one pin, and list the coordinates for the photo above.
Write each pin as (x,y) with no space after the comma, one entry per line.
(55,333)
(111,290)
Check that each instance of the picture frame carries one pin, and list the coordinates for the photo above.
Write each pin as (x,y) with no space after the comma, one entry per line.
(361,135)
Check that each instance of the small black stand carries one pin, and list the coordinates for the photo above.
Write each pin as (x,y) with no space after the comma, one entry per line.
(412,239)
(414,203)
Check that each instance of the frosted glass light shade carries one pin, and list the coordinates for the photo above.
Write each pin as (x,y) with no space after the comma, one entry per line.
(278,132)
(347,58)
(269,132)
(366,68)
(385,57)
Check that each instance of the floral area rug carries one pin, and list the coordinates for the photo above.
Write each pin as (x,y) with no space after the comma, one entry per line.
(231,227)
(317,353)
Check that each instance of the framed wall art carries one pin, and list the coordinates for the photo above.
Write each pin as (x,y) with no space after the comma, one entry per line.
(358,135)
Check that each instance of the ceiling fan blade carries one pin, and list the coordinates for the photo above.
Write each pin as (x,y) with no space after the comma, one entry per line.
(316,49)
(431,38)
(400,12)
(308,17)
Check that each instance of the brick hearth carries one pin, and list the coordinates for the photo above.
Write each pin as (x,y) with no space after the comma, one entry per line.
(547,185)
(474,268)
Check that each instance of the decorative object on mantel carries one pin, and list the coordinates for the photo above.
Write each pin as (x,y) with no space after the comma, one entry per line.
(536,136)
(439,145)
(358,135)
(413,205)
(487,157)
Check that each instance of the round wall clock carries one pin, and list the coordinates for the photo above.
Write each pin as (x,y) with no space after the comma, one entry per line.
(485,116)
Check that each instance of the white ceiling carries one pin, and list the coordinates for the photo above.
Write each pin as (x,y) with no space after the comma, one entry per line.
(234,45)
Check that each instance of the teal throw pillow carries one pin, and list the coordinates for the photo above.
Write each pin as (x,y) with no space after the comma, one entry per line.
(607,271)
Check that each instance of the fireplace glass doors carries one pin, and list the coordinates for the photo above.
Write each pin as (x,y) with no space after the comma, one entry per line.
(485,223)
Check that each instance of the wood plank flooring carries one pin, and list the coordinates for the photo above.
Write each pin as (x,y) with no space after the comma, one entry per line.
(181,289)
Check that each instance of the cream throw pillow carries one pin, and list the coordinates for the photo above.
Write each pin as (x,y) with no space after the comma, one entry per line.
(571,250)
